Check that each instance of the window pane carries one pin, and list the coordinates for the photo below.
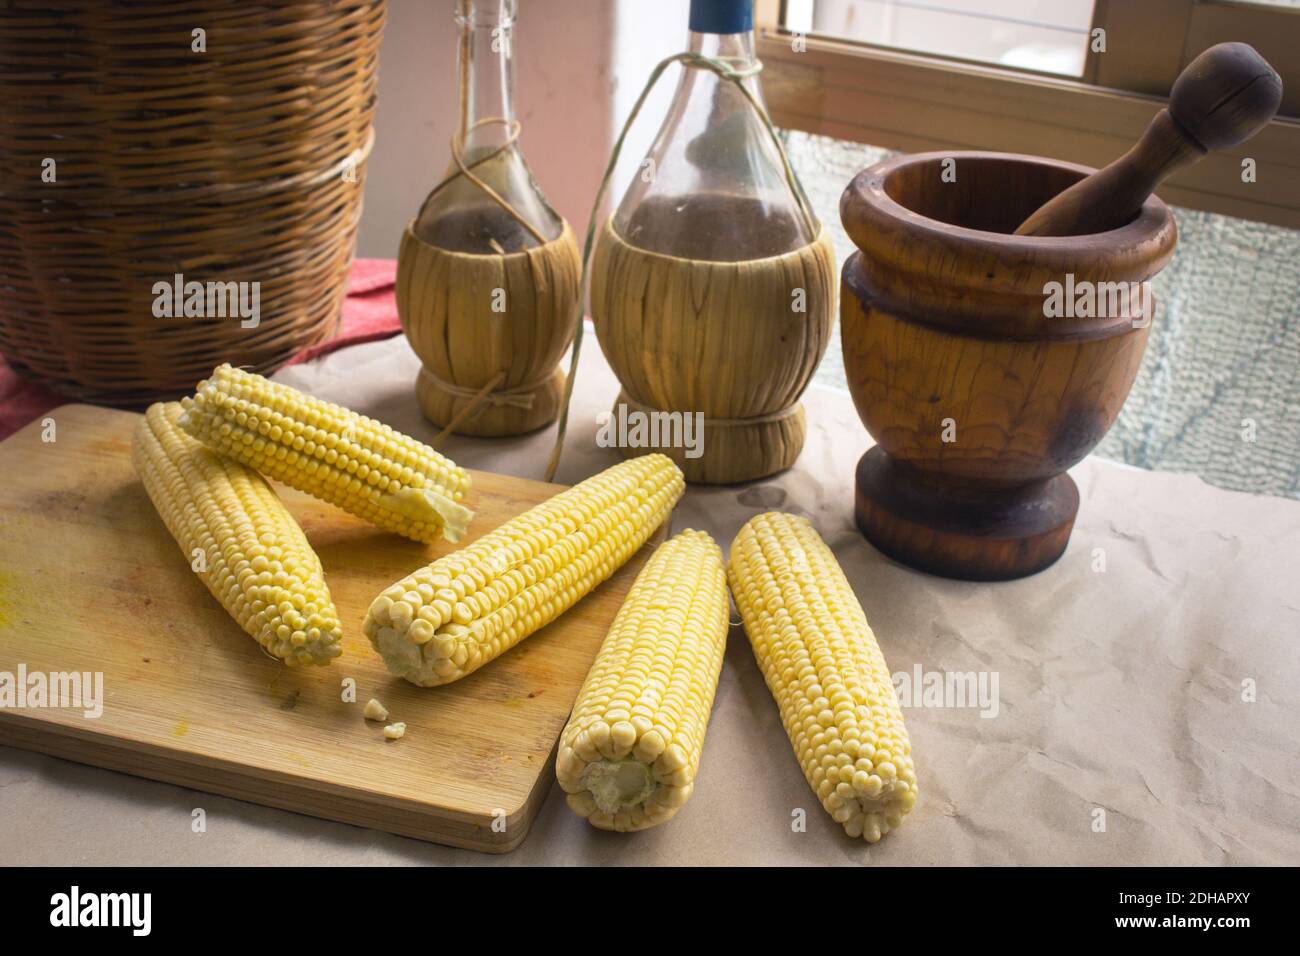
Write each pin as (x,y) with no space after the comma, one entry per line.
(1045,35)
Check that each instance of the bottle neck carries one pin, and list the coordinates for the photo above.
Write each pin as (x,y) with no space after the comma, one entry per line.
(737,47)
(734,49)
(487,73)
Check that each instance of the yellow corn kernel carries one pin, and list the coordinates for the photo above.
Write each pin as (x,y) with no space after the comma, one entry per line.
(241,541)
(825,670)
(450,618)
(331,453)
(629,753)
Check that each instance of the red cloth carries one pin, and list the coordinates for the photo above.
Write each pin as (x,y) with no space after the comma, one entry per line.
(369,313)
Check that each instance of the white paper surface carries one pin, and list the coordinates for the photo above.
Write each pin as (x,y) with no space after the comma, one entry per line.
(1118,690)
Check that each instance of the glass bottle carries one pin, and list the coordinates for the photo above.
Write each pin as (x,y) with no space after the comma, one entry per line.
(713,186)
(458,215)
(712,286)
(488,275)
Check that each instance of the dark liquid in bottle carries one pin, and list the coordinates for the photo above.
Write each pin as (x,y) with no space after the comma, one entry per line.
(482,230)
(714,228)
(461,218)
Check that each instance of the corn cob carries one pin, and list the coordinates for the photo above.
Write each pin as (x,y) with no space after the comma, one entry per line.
(330,452)
(822,664)
(630,750)
(449,619)
(254,558)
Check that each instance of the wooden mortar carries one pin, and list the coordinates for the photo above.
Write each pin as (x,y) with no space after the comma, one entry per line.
(945,335)
(468,334)
(722,339)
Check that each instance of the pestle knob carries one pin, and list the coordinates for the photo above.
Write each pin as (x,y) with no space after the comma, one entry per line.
(1223,97)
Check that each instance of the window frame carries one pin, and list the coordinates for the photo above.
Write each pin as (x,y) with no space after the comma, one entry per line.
(912,102)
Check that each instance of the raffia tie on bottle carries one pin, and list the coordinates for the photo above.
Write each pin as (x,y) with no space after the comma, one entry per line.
(521,396)
(724,70)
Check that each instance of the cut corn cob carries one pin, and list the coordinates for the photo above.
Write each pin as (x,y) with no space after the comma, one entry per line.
(449,619)
(330,452)
(629,753)
(822,664)
(240,539)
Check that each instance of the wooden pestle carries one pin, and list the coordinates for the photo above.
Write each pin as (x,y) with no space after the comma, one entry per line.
(1223,98)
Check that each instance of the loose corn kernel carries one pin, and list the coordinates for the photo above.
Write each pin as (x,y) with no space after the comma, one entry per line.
(630,751)
(825,670)
(485,598)
(375,710)
(395,731)
(331,453)
(241,541)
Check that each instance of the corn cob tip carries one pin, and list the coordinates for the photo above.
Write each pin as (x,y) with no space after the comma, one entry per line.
(418,503)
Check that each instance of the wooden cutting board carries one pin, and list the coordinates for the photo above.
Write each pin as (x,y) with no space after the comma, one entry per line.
(91,581)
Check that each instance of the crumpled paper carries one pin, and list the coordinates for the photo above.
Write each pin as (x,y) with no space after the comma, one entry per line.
(1146,706)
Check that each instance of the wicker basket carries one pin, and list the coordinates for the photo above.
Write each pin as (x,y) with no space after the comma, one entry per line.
(229,165)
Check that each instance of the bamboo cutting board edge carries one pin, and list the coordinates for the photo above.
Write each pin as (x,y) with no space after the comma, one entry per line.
(475,750)
(340,804)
